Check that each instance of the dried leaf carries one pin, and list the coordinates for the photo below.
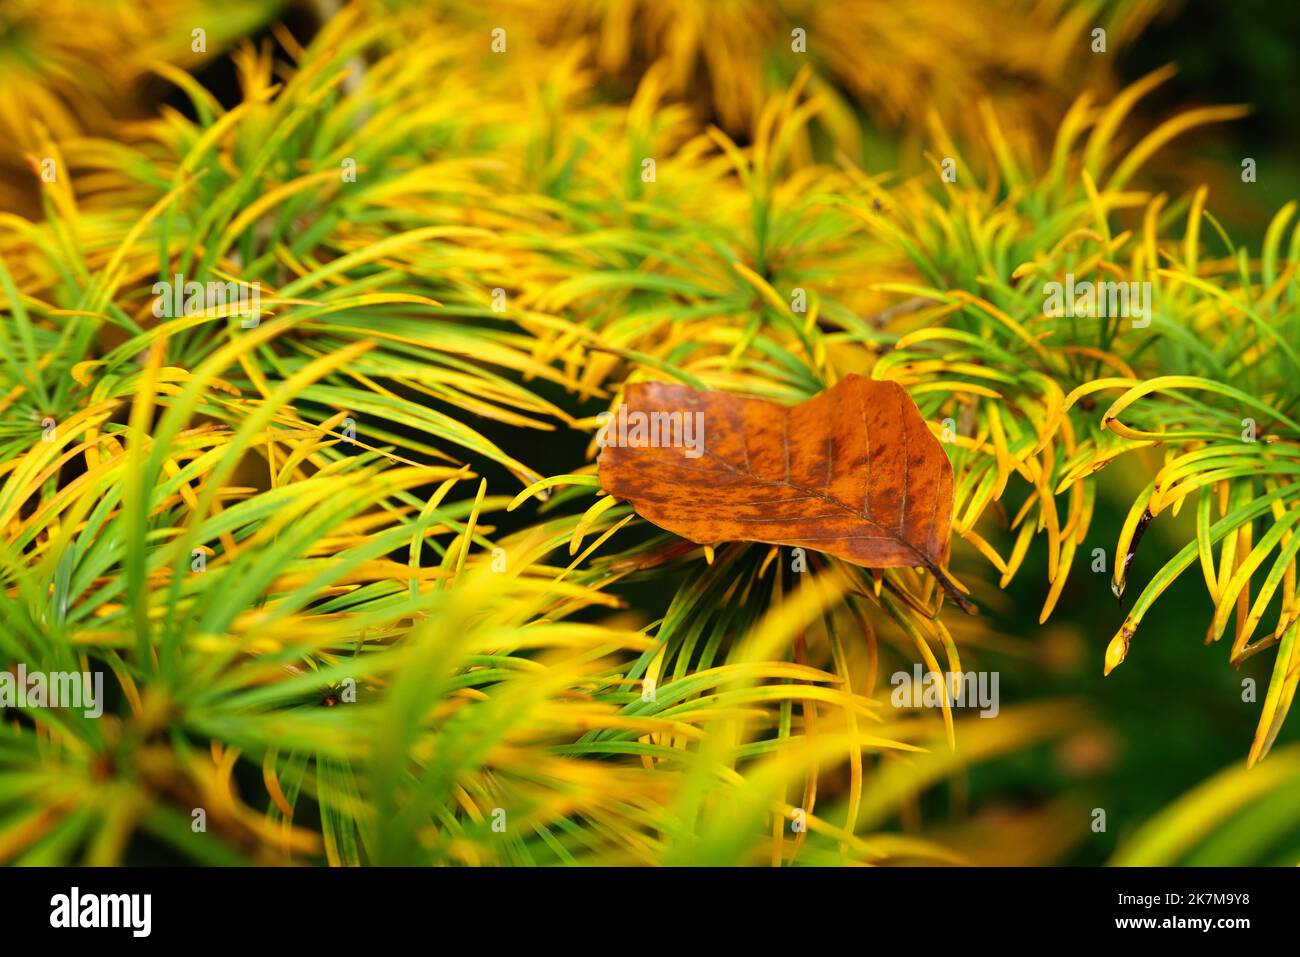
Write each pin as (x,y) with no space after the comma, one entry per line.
(853,472)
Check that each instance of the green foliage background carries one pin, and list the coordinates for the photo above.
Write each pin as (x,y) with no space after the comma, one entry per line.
(374,564)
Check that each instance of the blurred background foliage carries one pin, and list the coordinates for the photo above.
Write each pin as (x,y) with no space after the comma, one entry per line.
(522,172)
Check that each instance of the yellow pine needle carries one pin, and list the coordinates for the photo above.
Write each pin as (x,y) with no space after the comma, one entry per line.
(539,487)
(1117,650)
(464,542)
(1018,551)
(604,537)
(1049,521)
(985,549)
(1062,573)
(1281,692)
(589,517)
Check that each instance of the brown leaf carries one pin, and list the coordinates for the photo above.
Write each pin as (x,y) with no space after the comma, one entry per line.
(853,472)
